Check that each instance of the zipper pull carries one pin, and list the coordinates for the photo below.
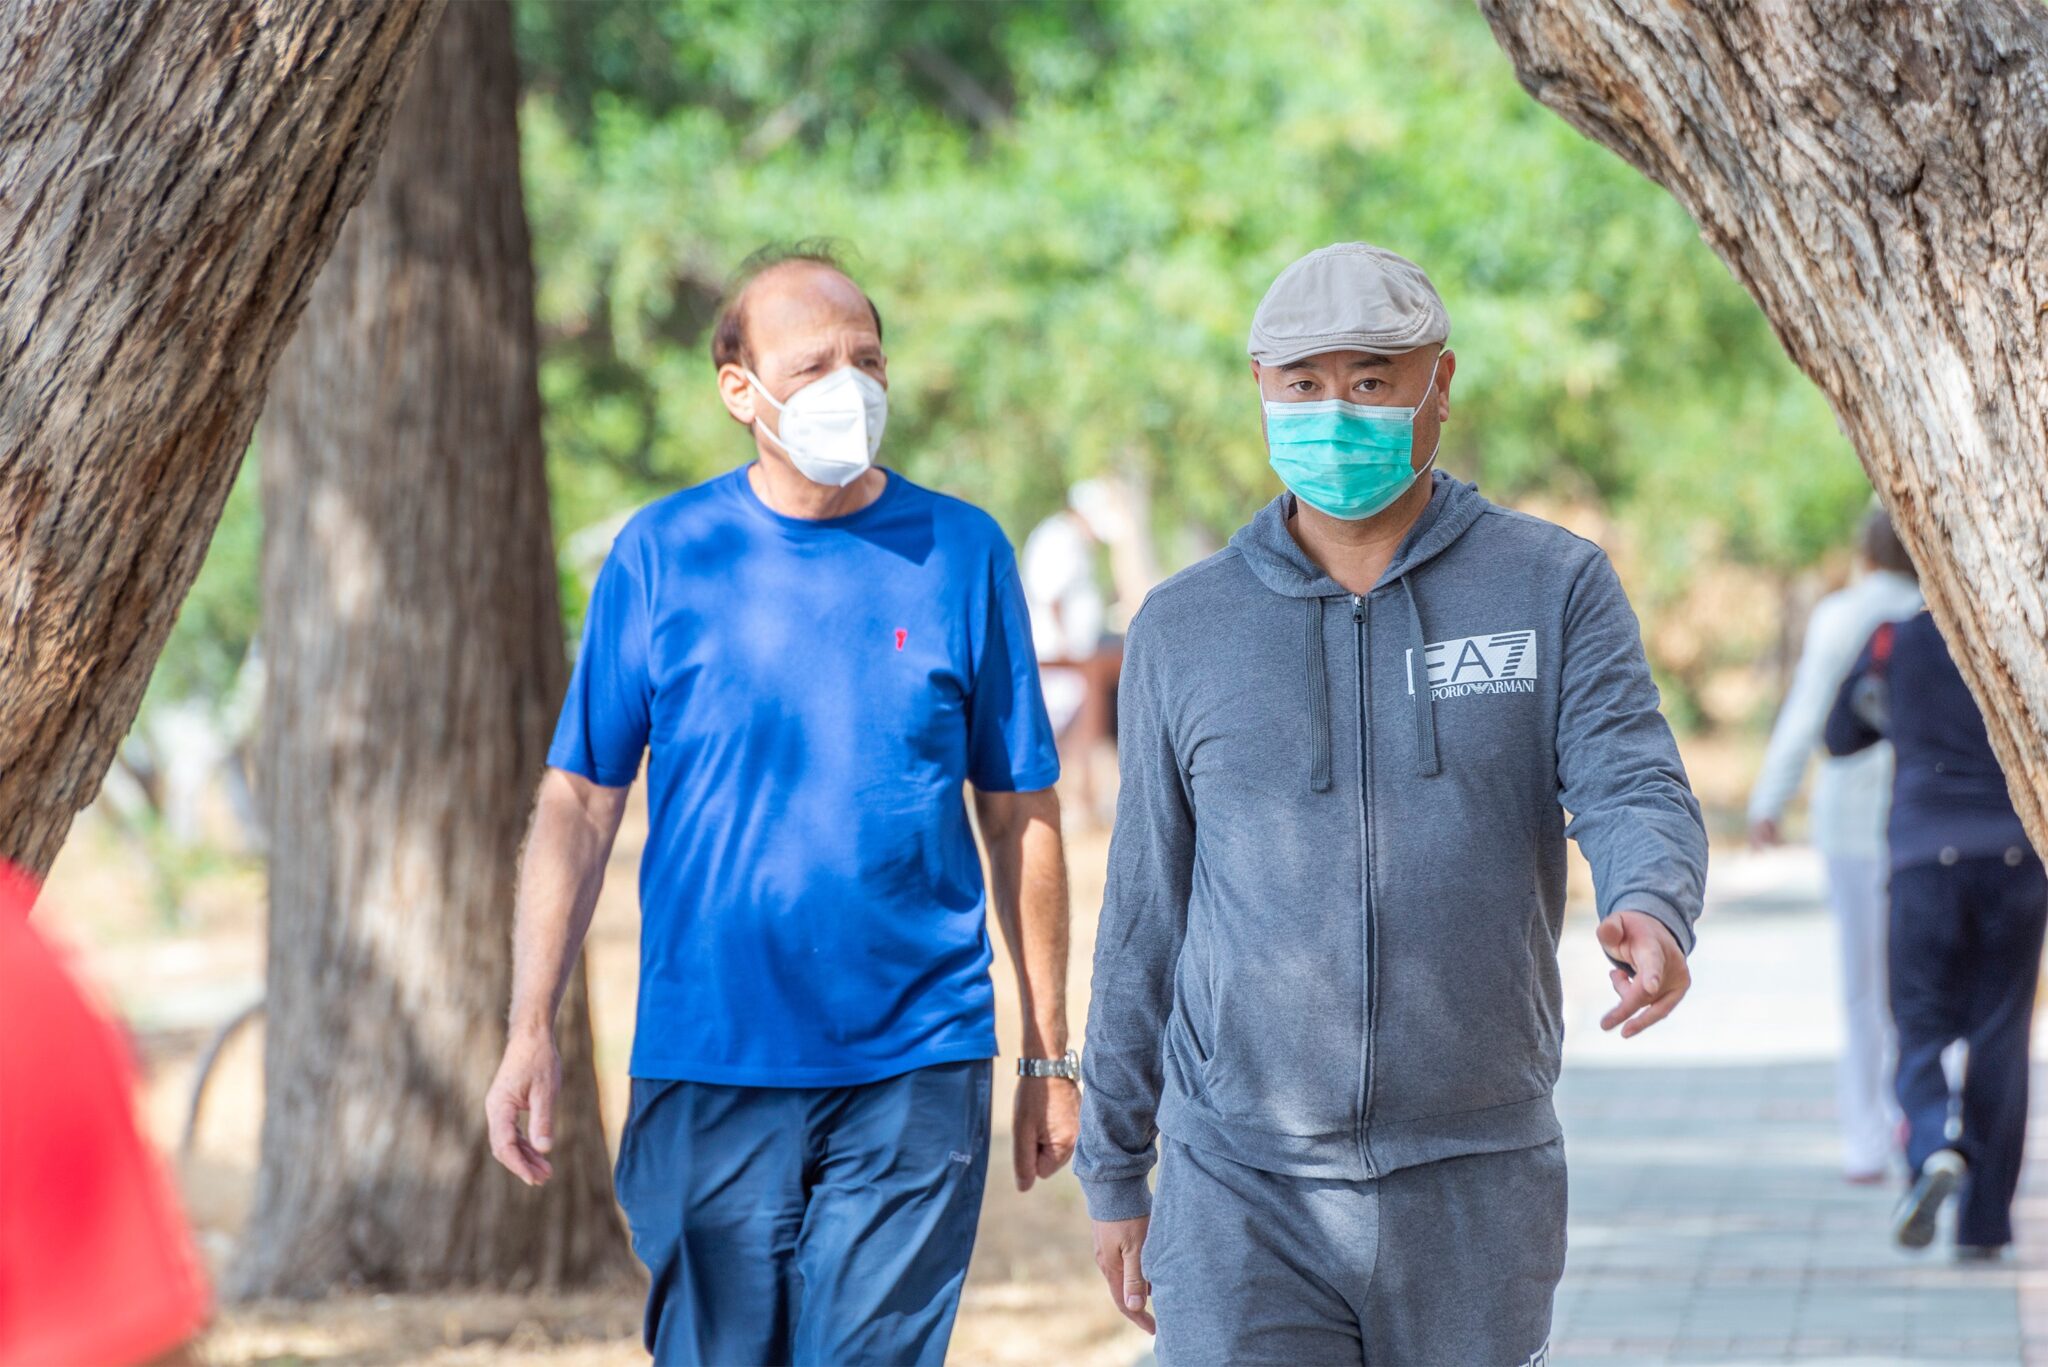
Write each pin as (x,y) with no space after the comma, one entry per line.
(1357,608)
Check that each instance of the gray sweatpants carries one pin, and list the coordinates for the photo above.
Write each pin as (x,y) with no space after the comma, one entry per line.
(1454,1262)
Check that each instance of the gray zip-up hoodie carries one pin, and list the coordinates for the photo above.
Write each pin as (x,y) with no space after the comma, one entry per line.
(1329,941)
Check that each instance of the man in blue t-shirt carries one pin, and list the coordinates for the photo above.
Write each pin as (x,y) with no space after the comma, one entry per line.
(815,655)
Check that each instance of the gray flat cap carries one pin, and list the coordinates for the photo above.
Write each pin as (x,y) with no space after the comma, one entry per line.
(1350,296)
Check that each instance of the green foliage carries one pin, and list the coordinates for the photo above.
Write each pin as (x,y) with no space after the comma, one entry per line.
(220,615)
(1067,212)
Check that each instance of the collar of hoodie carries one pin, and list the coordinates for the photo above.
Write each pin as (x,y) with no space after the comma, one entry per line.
(1279,562)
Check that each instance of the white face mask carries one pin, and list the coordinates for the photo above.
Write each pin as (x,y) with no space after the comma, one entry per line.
(831,428)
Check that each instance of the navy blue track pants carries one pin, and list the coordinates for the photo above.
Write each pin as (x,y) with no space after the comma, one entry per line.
(1965,956)
(805,1224)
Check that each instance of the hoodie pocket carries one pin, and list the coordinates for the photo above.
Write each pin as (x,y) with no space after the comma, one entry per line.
(1192,1023)
(1272,1037)
(1472,1022)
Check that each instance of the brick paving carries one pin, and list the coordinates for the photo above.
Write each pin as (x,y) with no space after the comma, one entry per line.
(1710,1224)
(1709,1220)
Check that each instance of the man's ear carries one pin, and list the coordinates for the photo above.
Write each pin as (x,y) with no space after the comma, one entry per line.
(737,392)
(1449,361)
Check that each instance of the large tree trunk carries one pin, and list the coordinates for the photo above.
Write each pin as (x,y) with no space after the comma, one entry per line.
(1876,175)
(415,664)
(172,175)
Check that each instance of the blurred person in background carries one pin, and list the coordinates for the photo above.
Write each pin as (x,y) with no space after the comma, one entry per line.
(1326,992)
(1851,801)
(1078,658)
(1969,903)
(96,1264)
(817,656)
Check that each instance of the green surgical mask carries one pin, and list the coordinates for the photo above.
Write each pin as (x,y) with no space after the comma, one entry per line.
(1350,460)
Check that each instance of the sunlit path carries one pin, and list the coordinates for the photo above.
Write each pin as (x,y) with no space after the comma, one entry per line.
(1709,1219)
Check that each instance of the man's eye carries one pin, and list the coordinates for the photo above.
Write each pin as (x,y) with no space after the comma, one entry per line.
(1302,386)
(1368,386)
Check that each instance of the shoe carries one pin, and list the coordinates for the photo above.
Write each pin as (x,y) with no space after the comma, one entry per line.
(1980,1254)
(1913,1223)
(1864,1179)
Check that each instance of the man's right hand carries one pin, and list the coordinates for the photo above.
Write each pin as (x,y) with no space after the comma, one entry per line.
(527,1081)
(1119,1245)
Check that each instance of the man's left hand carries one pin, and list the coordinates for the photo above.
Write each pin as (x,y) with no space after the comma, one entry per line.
(1661,978)
(1046,1120)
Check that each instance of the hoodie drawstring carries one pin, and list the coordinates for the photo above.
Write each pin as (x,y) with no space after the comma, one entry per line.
(1318,702)
(1418,683)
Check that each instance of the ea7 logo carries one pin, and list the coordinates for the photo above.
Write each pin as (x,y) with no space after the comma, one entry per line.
(1504,662)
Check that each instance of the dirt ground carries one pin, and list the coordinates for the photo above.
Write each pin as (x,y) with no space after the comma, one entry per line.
(1033,1296)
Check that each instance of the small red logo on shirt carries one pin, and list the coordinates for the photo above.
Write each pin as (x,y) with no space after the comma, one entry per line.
(901,636)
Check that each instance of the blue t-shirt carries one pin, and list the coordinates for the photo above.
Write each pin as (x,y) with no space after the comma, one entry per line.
(813,694)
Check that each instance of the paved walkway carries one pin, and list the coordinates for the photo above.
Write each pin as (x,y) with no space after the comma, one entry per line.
(1709,1221)
(1708,1225)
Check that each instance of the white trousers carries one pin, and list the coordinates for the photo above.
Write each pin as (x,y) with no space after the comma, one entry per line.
(1863,1095)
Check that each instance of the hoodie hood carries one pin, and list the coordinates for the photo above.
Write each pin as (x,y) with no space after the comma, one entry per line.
(1273,554)
(1279,562)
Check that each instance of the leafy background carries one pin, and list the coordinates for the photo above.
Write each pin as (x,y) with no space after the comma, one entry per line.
(1066,211)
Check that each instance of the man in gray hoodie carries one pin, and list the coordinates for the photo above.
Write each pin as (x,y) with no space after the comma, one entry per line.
(1325,978)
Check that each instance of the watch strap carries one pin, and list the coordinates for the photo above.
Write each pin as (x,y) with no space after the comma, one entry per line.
(1067,1065)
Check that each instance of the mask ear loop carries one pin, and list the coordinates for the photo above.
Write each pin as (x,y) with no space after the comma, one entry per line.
(762,390)
(1431,388)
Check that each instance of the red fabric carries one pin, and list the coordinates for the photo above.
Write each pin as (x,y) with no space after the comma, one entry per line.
(95,1262)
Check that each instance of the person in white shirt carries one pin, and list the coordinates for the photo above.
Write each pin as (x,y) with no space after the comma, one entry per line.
(1851,799)
(1068,610)
(1073,625)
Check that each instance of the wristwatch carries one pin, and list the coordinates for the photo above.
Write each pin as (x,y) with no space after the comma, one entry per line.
(1067,1065)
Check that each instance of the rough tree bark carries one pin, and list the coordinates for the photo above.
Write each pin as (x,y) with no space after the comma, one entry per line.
(172,175)
(1876,174)
(415,664)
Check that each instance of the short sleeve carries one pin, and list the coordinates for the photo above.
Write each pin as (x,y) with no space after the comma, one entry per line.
(1009,737)
(602,732)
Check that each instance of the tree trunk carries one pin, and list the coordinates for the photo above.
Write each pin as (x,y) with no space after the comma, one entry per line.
(415,665)
(172,176)
(1875,174)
